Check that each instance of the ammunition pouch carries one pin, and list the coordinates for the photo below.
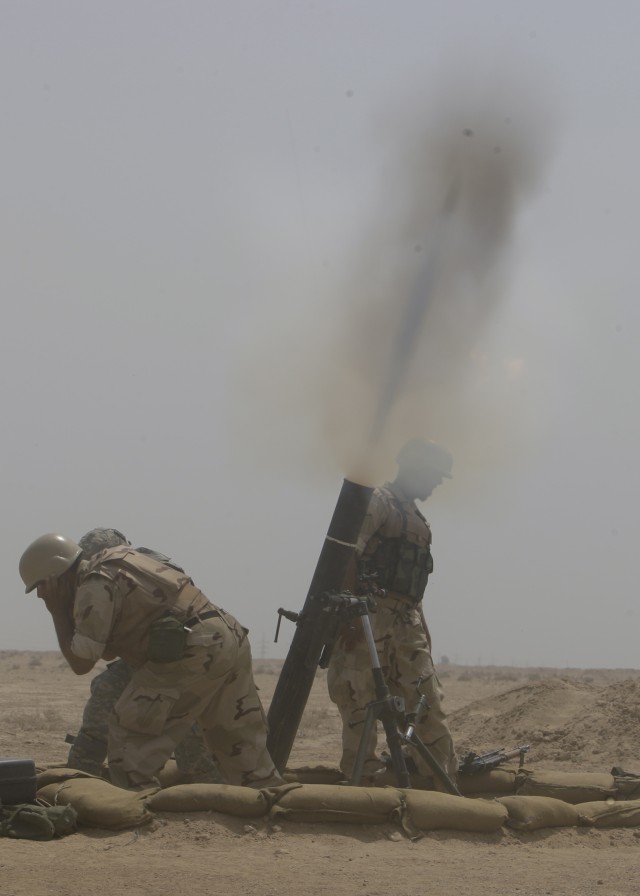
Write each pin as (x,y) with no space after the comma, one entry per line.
(167,640)
(401,566)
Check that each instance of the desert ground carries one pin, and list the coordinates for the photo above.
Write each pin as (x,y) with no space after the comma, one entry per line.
(573,719)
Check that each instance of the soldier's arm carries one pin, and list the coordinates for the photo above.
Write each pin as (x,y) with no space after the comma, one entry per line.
(93,615)
(62,615)
(377,513)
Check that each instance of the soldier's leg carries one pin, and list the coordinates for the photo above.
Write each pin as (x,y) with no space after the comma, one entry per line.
(350,684)
(234,725)
(153,715)
(89,750)
(409,660)
(194,760)
(212,685)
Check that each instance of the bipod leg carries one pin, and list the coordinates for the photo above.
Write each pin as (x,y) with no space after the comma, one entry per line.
(369,725)
(432,762)
(391,709)
(385,707)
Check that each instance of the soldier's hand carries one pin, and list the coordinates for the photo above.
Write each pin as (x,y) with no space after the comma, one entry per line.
(56,600)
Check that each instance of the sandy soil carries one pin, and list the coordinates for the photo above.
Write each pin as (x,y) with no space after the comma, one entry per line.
(578,720)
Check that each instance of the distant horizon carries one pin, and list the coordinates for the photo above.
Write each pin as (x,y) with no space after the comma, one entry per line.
(439,664)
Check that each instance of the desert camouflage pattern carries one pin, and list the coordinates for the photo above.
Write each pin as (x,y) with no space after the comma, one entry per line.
(89,751)
(119,594)
(100,539)
(403,646)
(384,519)
(391,515)
(405,658)
(212,685)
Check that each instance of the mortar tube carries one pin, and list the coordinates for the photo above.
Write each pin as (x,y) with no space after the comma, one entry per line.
(299,668)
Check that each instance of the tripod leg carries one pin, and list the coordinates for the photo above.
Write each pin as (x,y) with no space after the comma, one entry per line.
(394,742)
(358,765)
(433,764)
(384,707)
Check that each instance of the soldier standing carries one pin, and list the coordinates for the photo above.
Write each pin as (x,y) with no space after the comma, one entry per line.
(191,659)
(395,546)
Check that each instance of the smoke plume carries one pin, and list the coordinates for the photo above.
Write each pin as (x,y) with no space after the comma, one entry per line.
(399,349)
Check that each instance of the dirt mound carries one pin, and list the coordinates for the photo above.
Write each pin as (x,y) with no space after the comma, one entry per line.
(610,727)
(562,720)
(519,714)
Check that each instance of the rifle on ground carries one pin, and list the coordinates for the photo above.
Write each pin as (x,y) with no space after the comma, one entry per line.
(474,764)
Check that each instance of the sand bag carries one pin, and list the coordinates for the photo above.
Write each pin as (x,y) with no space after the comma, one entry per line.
(59,774)
(316,774)
(497,780)
(431,811)
(170,775)
(97,803)
(627,784)
(572,787)
(231,799)
(610,814)
(530,813)
(327,802)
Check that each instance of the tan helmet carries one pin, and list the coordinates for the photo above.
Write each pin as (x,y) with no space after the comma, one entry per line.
(47,557)
(420,452)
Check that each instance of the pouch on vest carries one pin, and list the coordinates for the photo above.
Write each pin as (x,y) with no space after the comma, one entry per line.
(167,640)
(415,565)
(402,567)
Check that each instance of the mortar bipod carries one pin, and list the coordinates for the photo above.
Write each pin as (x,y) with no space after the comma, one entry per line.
(399,728)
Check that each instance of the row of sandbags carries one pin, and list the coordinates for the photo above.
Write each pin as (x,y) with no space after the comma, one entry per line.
(100,804)
(570,787)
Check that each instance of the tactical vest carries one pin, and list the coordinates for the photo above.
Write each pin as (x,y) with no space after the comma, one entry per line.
(161,557)
(145,590)
(399,553)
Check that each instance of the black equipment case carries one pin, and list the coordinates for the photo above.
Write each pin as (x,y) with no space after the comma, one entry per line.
(17,781)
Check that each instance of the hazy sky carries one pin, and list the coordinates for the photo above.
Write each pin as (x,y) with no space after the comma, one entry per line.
(196,198)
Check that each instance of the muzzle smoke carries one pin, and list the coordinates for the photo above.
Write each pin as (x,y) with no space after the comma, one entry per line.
(400,354)
(430,279)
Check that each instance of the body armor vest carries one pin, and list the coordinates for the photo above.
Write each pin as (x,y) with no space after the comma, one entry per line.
(161,557)
(399,553)
(144,590)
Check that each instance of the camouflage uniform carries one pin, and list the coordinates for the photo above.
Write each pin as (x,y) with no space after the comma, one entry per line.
(395,544)
(120,594)
(89,749)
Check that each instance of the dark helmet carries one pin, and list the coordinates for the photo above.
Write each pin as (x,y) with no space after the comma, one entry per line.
(418,453)
(96,540)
